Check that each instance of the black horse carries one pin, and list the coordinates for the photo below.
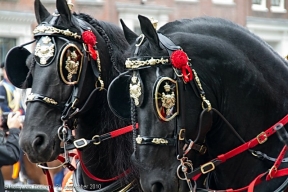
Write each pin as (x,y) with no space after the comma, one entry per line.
(203,87)
(75,59)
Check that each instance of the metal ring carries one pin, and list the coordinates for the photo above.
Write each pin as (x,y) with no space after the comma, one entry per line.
(94,137)
(101,84)
(59,132)
(142,36)
(178,170)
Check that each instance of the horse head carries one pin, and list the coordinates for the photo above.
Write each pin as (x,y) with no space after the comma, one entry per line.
(63,70)
(196,88)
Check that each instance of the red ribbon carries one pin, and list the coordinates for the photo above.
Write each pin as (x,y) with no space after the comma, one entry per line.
(92,52)
(187,73)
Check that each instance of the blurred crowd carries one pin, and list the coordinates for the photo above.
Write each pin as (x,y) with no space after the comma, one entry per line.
(12,158)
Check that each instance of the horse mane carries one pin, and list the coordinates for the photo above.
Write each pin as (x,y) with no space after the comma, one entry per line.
(109,122)
(228,48)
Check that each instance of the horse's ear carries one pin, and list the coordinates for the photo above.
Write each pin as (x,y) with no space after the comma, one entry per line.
(41,12)
(63,8)
(130,36)
(148,30)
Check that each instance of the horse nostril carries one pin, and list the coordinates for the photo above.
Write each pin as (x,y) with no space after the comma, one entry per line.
(157,187)
(40,142)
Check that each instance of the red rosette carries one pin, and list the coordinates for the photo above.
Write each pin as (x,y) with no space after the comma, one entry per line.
(89,38)
(179,60)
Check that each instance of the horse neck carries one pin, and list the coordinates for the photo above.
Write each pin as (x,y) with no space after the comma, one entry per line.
(247,84)
(111,157)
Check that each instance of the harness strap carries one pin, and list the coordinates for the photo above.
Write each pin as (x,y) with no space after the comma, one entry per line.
(88,104)
(47,173)
(91,176)
(274,168)
(49,179)
(259,139)
(68,165)
(79,187)
(97,139)
(32,97)
(272,173)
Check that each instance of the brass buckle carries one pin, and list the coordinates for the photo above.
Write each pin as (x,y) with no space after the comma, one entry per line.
(206,165)
(263,134)
(202,149)
(181,133)
(273,168)
(74,103)
(81,140)
(96,136)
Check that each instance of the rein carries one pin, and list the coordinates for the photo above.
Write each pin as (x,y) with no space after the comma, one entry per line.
(79,144)
(259,139)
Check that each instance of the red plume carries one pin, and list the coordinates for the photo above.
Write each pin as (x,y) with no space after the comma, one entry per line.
(90,40)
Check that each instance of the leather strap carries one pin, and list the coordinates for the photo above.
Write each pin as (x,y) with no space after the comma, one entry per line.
(79,187)
(33,97)
(97,139)
(91,176)
(48,178)
(259,139)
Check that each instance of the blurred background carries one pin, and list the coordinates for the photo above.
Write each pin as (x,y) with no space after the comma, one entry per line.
(266,18)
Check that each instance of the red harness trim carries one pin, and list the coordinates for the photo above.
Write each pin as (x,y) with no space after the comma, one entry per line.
(91,176)
(49,180)
(122,131)
(112,134)
(259,139)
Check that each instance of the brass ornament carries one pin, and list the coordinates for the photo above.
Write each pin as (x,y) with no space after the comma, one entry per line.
(159,141)
(72,64)
(135,89)
(53,30)
(154,22)
(135,64)
(45,49)
(50,101)
(166,98)
(30,97)
(205,102)
(70,4)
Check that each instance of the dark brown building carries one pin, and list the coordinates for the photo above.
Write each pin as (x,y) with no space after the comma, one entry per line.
(266,18)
